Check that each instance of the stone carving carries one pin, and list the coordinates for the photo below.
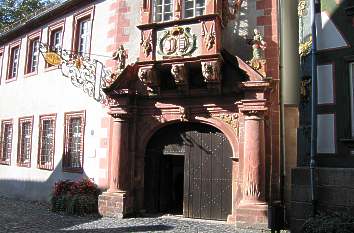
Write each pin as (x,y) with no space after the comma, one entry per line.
(258,46)
(178,41)
(230,12)
(120,56)
(146,43)
(230,119)
(211,71)
(146,75)
(178,73)
(184,113)
(208,35)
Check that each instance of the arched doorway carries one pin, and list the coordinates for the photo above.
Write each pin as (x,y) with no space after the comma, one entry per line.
(188,171)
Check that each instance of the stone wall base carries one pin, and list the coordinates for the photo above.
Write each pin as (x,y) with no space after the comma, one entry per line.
(115,205)
(251,216)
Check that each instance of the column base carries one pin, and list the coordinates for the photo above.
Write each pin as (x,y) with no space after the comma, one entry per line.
(115,204)
(251,216)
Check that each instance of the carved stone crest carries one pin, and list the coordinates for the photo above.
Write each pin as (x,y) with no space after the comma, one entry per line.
(208,35)
(211,71)
(178,41)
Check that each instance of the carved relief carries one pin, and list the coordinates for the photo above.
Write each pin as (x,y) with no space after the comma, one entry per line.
(146,43)
(230,12)
(230,119)
(211,71)
(120,56)
(258,46)
(302,8)
(146,75)
(178,73)
(305,48)
(208,35)
(178,41)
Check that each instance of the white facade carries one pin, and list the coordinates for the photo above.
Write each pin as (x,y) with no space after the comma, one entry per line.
(49,92)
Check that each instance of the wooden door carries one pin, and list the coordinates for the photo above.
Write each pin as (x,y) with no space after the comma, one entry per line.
(207,174)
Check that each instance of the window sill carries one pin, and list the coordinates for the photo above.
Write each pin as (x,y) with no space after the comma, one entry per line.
(31,74)
(50,68)
(5,163)
(27,165)
(73,170)
(45,168)
(10,80)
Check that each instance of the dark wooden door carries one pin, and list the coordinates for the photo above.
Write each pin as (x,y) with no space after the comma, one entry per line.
(207,174)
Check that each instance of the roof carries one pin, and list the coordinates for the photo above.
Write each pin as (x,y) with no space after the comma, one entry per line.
(42,18)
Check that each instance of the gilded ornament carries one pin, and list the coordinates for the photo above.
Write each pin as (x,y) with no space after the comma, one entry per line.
(258,60)
(230,119)
(302,8)
(305,48)
(52,58)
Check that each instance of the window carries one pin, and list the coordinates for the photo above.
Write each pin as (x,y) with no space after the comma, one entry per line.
(24,141)
(163,10)
(32,53)
(13,62)
(193,8)
(6,142)
(74,141)
(55,37)
(46,142)
(82,32)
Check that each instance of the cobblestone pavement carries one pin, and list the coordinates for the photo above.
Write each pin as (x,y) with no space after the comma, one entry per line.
(22,216)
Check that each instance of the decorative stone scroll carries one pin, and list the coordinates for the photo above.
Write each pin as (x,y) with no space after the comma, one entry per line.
(211,71)
(230,119)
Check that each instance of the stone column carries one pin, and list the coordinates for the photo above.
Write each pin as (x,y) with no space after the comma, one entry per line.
(119,151)
(253,161)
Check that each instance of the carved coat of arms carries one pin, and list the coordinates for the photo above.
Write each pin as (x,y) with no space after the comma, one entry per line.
(177,41)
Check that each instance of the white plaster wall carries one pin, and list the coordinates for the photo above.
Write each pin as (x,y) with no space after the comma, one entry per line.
(325,84)
(326,134)
(50,92)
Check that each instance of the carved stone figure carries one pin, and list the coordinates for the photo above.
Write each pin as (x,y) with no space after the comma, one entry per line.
(146,43)
(178,73)
(209,36)
(120,56)
(146,75)
(258,46)
(210,71)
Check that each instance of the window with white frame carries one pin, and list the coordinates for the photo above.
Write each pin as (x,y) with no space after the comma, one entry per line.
(6,142)
(163,10)
(24,141)
(193,8)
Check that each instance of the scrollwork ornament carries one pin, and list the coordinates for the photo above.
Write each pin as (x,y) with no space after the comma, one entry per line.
(230,119)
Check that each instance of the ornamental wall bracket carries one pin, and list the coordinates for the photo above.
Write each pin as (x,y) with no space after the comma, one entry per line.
(208,35)
(177,41)
(178,72)
(146,43)
(147,76)
(211,71)
(85,73)
(230,119)
(258,60)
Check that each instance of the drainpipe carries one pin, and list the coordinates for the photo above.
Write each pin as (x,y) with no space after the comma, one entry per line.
(315,7)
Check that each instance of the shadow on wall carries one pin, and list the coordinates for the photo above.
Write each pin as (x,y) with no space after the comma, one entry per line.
(30,189)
